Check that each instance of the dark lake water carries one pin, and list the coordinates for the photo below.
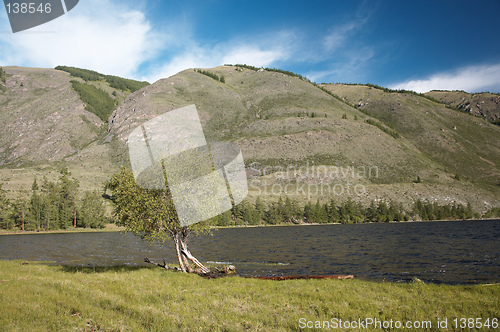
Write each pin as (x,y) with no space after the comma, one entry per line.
(457,252)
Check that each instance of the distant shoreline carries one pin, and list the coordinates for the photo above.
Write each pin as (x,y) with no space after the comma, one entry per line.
(361,223)
(114,228)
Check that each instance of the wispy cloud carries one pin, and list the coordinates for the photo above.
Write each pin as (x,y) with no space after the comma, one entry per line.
(119,39)
(353,66)
(341,53)
(470,79)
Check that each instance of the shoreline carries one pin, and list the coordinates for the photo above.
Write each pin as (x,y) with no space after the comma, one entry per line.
(114,228)
(107,228)
(361,223)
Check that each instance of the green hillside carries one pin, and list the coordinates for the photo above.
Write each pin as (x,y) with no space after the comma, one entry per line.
(284,122)
(298,140)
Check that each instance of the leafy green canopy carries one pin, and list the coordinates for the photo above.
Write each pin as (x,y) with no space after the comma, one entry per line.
(114,81)
(146,212)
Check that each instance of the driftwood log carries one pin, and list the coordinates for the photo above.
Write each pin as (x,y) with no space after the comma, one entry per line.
(231,271)
(340,277)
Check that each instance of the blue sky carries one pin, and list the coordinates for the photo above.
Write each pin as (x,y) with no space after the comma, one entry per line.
(418,45)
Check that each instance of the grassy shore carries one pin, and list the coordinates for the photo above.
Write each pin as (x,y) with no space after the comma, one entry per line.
(37,297)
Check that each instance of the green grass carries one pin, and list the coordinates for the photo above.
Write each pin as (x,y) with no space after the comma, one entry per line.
(37,297)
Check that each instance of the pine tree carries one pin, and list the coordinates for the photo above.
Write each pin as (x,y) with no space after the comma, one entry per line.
(319,212)
(383,211)
(372,214)
(332,212)
(91,212)
(260,209)
(5,221)
(250,215)
(35,208)
(19,212)
(292,212)
(309,212)
(67,199)
(49,205)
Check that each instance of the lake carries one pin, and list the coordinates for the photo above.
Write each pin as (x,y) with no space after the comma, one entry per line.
(453,252)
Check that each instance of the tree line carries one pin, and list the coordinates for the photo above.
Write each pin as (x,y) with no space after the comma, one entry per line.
(97,100)
(3,78)
(114,81)
(380,126)
(289,211)
(216,77)
(53,205)
(59,205)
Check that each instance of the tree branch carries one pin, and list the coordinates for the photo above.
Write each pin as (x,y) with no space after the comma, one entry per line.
(164,265)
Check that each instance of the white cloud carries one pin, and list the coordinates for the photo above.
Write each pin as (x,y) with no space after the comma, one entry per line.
(470,79)
(259,54)
(112,39)
(252,54)
(118,40)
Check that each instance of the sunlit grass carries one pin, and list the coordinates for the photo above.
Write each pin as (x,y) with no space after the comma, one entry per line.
(37,297)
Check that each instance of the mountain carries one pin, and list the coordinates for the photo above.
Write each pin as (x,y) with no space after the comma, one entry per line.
(486,105)
(45,125)
(345,140)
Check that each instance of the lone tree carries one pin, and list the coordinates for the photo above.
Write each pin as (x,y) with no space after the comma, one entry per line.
(152,215)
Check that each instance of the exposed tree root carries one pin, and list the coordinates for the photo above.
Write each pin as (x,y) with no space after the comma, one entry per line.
(204,272)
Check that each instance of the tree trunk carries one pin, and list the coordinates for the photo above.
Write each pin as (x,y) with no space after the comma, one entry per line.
(179,254)
(187,254)
(184,256)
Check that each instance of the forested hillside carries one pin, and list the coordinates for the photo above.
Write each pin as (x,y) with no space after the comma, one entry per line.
(321,153)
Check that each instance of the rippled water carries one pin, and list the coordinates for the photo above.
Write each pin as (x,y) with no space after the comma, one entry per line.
(449,252)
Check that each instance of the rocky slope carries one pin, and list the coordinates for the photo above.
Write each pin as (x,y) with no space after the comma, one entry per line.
(296,138)
(484,104)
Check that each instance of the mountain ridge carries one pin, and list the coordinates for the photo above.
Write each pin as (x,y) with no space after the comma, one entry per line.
(280,122)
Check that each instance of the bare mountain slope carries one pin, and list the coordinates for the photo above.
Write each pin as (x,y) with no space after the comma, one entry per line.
(42,118)
(484,104)
(270,115)
(292,134)
(283,122)
(464,145)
